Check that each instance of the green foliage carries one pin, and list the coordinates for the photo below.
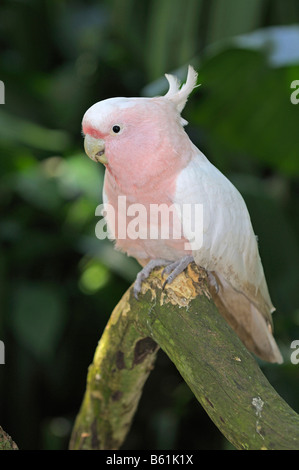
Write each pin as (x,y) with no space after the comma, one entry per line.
(42,306)
(58,283)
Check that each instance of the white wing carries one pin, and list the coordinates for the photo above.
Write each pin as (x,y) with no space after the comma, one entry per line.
(230,252)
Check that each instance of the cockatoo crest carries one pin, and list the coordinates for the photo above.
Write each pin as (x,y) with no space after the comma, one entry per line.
(179,95)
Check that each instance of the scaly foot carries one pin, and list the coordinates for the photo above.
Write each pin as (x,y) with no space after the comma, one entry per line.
(145,272)
(176,268)
(173,268)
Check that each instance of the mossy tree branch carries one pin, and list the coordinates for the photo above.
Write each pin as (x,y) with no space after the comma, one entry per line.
(223,375)
(6,442)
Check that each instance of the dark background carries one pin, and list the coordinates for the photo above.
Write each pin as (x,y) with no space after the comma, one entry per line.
(58,283)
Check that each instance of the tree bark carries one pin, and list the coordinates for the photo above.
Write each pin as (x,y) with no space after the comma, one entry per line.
(6,442)
(121,365)
(225,378)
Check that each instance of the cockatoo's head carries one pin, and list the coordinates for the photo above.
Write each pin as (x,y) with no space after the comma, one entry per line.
(140,135)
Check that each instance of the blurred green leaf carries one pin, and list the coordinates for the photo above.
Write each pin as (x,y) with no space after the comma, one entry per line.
(17,130)
(119,263)
(255,123)
(174,25)
(79,174)
(37,188)
(38,318)
(95,276)
(229,18)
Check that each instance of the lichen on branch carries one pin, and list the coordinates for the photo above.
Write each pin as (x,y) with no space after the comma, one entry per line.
(225,378)
(6,442)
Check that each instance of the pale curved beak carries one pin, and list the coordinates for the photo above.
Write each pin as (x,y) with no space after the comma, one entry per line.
(95,149)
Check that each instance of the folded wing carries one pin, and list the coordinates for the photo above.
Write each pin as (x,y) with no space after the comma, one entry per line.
(230,253)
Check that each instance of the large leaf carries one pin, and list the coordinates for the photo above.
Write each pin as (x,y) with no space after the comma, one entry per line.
(247,110)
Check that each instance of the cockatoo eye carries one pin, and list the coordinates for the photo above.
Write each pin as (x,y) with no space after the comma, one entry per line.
(116,129)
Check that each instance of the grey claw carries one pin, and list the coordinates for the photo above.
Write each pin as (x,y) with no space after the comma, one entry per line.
(145,272)
(136,294)
(176,268)
(170,267)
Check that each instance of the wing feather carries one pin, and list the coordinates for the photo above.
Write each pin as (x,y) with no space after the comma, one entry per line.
(230,252)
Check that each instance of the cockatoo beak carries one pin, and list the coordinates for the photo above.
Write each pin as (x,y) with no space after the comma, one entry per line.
(95,149)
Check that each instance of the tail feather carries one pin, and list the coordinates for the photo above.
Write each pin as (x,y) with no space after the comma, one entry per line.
(245,319)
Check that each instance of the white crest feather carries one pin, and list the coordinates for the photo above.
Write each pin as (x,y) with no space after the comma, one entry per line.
(179,96)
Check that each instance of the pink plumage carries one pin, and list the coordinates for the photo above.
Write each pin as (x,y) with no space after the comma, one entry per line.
(150,160)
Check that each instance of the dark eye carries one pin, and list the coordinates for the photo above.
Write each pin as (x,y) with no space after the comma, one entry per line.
(116,129)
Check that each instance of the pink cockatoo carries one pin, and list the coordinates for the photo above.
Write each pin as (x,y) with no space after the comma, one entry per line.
(150,161)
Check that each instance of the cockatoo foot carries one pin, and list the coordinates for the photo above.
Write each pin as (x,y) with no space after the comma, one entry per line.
(173,268)
(176,268)
(146,271)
